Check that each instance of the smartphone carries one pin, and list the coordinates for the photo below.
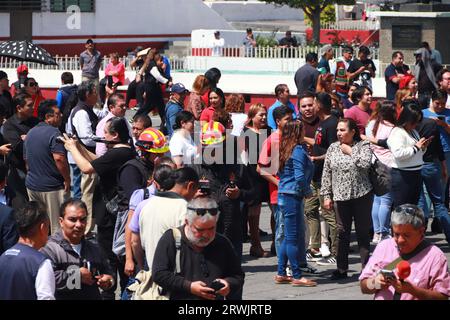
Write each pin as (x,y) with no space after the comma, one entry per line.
(388,274)
(216,285)
(441,118)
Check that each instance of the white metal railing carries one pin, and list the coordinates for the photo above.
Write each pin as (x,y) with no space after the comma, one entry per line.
(272,52)
(352,25)
(179,63)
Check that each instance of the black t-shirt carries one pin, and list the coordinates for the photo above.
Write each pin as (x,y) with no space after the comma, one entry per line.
(107,167)
(390,73)
(324,137)
(133,175)
(364,77)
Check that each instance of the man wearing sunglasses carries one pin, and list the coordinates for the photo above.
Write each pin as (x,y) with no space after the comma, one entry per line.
(428,277)
(209,268)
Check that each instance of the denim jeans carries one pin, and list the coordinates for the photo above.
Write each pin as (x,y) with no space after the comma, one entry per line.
(431,175)
(279,226)
(76,181)
(293,244)
(381,213)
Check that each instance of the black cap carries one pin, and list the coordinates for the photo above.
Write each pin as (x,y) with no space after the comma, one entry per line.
(90,41)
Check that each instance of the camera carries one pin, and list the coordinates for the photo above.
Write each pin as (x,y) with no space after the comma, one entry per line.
(205,187)
(216,285)
(442,118)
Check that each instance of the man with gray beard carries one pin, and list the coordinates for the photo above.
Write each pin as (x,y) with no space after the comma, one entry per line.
(209,267)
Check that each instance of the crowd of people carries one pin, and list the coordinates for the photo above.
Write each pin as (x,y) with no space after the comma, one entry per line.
(91,201)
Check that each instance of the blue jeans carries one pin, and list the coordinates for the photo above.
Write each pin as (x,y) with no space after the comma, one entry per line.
(381,213)
(279,226)
(431,175)
(293,244)
(76,181)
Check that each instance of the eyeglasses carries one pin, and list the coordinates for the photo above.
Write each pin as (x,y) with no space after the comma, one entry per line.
(33,84)
(202,212)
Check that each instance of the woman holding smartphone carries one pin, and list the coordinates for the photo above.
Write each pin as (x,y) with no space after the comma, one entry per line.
(407,149)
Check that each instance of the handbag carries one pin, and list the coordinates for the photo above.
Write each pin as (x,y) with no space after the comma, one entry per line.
(113,205)
(145,288)
(380,177)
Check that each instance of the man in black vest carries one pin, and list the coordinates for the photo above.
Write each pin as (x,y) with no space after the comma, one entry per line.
(25,273)
(82,123)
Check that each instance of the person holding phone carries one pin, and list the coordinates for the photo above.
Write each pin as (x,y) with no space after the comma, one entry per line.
(209,267)
(407,148)
(68,250)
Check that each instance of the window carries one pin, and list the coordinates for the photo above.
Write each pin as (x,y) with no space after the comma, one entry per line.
(20,5)
(62,5)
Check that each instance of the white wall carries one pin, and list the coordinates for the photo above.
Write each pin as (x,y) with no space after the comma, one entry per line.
(133,17)
(254,10)
(4,24)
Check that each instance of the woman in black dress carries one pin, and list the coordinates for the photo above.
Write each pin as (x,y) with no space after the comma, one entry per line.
(255,133)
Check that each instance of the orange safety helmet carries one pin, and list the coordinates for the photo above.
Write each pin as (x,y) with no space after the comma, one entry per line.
(212,133)
(152,140)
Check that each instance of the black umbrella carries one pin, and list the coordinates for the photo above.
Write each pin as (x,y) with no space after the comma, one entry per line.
(26,51)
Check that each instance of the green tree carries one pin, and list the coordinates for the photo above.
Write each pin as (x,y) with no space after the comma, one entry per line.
(312,10)
(328,15)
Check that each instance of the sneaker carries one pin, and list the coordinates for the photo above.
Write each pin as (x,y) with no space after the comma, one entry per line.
(376,238)
(337,275)
(313,256)
(283,279)
(324,250)
(327,261)
(308,269)
(289,271)
(384,237)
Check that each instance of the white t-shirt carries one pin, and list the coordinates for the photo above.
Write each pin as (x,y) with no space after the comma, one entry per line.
(181,144)
(217,45)
(239,120)
(76,248)
(45,281)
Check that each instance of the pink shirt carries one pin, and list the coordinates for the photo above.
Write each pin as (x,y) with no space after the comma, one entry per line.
(120,68)
(361,117)
(383,132)
(428,269)
(269,158)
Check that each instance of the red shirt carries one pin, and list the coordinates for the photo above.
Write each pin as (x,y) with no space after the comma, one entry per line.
(207,114)
(269,159)
(205,97)
(361,117)
(37,98)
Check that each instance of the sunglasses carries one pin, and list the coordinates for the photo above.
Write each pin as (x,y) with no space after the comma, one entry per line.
(33,84)
(412,211)
(202,212)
